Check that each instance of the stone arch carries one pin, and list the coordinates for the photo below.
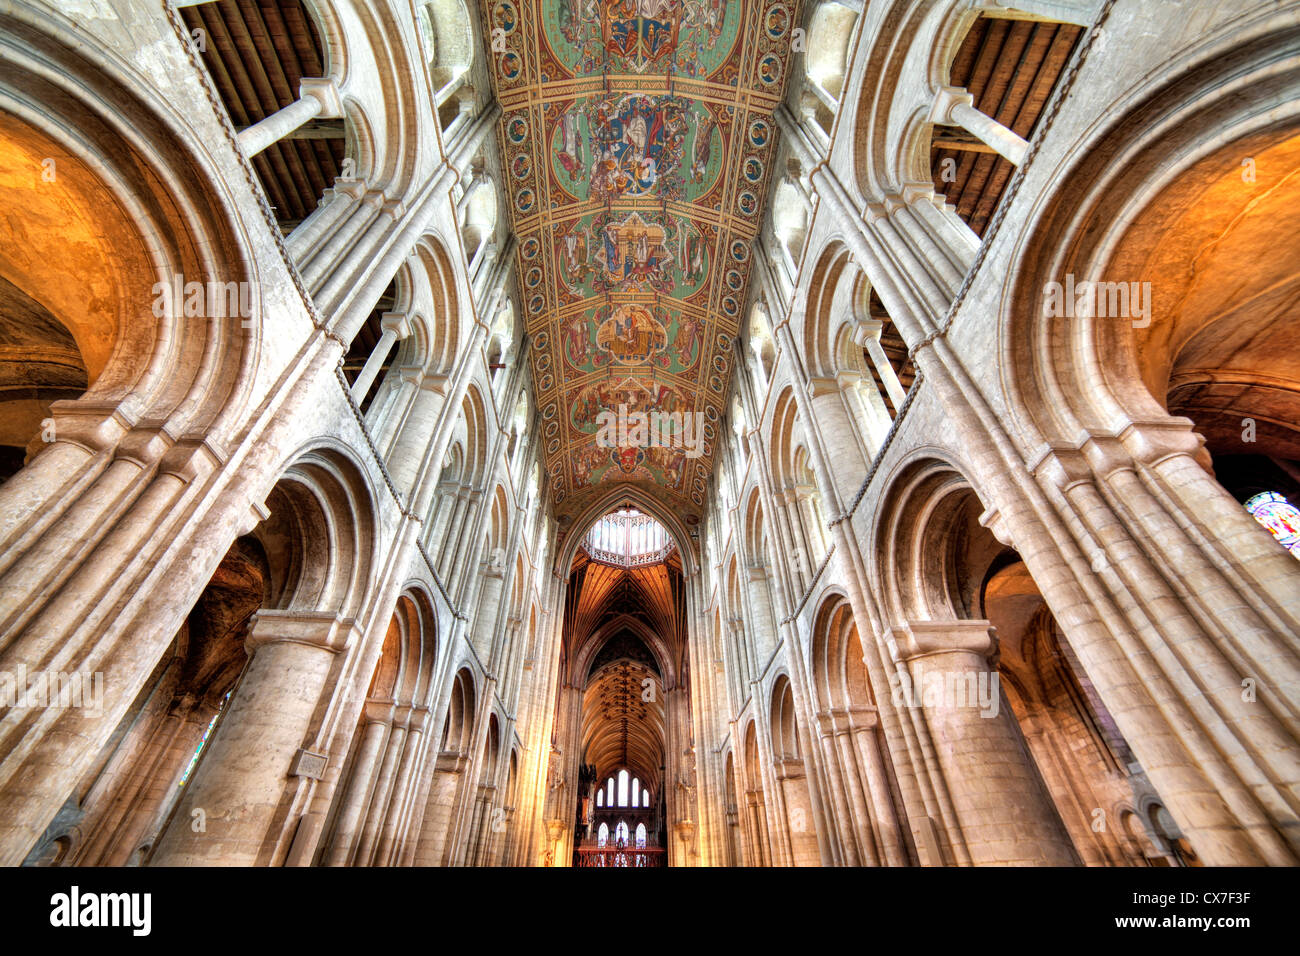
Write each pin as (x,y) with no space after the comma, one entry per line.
(791,773)
(826,314)
(903,67)
(938,560)
(647,504)
(755,530)
(755,801)
(919,567)
(418,622)
(134,209)
(319,543)
(735,845)
(458,724)
(320,535)
(868,817)
(1202,346)
(444,305)
(477,436)
(795,487)
(1149,408)
(491,760)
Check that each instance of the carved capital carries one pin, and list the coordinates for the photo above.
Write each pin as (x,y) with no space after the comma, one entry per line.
(323,631)
(918,639)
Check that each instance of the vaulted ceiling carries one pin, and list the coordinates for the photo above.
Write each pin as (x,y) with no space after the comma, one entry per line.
(637,141)
(630,625)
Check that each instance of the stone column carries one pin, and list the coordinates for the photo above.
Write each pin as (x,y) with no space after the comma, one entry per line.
(855,825)
(1004,813)
(764,627)
(793,782)
(394,327)
(831,425)
(863,725)
(335,203)
(385,782)
(378,718)
(463,543)
(395,413)
(488,607)
(955,107)
(448,769)
(237,791)
(867,335)
(417,726)
(316,97)
(360,212)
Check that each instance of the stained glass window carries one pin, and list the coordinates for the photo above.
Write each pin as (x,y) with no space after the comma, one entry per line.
(602,835)
(622,788)
(620,833)
(1279,516)
(640,834)
(207,733)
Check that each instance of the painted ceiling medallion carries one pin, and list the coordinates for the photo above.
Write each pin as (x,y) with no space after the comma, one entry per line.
(638,135)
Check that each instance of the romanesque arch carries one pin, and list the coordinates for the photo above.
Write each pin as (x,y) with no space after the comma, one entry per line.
(318,542)
(451,768)
(1169,388)
(374,813)
(791,773)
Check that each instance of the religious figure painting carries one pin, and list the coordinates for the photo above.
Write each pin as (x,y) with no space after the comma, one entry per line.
(632,335)
(691,37)
(635,254)
(643,31)
(637,144)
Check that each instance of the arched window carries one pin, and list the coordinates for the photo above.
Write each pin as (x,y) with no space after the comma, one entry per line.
(636,792)
(202,743)
(645,798)
(640,834)
(1279,516)
(609,795)
(622,788)
(628,538)
(620,833)
(602,835)
(600,797)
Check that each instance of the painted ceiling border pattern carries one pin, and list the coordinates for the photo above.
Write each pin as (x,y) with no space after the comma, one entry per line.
(638,140)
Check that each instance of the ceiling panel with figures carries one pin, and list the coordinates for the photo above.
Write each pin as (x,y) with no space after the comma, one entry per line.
(638,142)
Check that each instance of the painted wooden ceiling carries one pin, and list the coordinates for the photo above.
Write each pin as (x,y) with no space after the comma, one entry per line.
(638,145)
